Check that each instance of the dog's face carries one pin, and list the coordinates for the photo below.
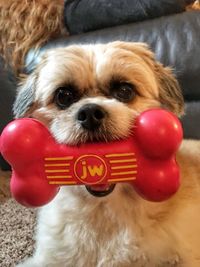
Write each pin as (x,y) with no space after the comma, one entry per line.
(93,92)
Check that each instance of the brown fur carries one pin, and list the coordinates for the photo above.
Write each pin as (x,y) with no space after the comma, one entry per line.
(194,6)
(26,24)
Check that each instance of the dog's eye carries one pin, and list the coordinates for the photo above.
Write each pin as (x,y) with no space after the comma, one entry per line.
(123,91)
(64,97)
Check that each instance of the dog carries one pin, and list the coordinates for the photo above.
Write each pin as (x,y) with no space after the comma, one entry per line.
(86,93)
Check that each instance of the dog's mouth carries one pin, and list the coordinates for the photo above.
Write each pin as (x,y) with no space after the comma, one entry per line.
(100,190)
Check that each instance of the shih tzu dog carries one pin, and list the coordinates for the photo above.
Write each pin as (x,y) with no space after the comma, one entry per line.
(92,93)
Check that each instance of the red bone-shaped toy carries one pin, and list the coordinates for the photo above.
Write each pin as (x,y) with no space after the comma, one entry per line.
(146,159)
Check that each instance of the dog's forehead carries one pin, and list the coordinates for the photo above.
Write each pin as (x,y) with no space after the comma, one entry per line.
(94,55)
(89,65)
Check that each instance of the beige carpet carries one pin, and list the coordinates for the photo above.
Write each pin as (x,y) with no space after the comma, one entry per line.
(16,227)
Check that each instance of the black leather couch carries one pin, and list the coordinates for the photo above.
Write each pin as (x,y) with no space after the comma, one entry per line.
(175,39)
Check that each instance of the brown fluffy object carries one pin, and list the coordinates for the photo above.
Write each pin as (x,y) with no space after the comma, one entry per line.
(26,24)
(195,5)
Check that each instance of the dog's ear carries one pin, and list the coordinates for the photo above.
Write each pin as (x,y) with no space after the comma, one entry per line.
(170,94)
(25,97)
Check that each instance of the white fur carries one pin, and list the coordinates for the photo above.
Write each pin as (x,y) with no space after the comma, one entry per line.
(79,230)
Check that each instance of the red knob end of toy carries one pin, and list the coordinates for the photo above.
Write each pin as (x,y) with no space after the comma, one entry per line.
(158,182)
(32,192)
(22,135)
(159,133)
(22,144)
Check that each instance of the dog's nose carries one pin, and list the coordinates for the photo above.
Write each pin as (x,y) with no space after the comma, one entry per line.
(91,116)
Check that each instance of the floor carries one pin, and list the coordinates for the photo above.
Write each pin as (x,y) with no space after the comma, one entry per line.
(16,227)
